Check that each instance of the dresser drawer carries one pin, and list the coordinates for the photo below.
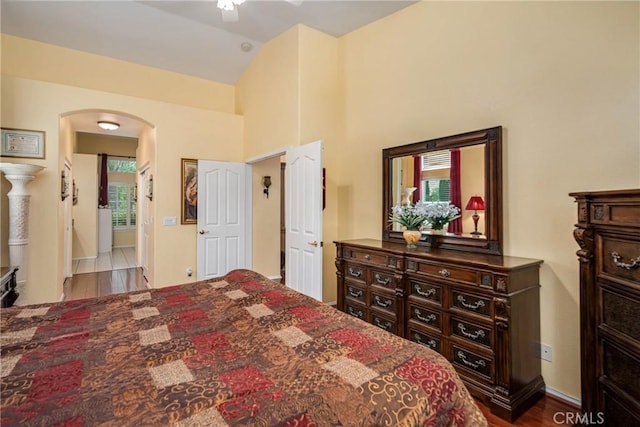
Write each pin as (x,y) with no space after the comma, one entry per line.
(471,303)
(620,259)
(382,301)
(622,370)
(621,313)
(473,362)
(370,257)
(447,272)
(382,278)
(471,332)
(383,322)
(355,291)
(425,291)
(356,310)
(355,272)
(425,317)
(428,340)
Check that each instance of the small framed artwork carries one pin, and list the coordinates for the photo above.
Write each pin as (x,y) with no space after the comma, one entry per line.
(22,143)
(149,194)
(64,185)
(189,191)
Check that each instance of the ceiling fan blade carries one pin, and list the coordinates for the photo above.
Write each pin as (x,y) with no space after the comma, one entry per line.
(230,15)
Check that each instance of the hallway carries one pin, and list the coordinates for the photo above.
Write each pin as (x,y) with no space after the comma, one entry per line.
(117,259)
(95,284)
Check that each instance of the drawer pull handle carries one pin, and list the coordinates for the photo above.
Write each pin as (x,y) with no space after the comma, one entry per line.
(476,365)
(473,335)
(431,343)
(383,303)
(385,326)
(381,281)
(427,294)
(444,272)
(355,273)
(367,257)
(357,314)
(475,306)
(355,294)
(428,319)
(627,266)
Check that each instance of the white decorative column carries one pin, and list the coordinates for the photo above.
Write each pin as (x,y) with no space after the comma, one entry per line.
(19,175)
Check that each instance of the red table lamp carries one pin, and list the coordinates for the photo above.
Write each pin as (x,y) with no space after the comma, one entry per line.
(475,203)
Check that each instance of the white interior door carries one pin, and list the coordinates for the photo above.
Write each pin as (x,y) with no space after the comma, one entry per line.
(143,221)
(303,199)
(224,218)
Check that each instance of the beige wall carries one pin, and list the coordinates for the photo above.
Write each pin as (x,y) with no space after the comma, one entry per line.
(266,218)
(561,77)
(39,61)
(85,215)
(180,131)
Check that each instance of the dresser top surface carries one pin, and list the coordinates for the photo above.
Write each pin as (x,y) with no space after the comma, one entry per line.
(508,262)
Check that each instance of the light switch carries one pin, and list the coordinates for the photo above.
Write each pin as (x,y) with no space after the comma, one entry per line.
(169,220)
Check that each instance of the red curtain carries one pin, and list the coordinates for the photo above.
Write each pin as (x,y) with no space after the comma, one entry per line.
(103,194)
(455,192)
(417,178)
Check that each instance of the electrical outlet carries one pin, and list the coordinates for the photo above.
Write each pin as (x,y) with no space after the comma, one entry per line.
(545,352)
(189,272)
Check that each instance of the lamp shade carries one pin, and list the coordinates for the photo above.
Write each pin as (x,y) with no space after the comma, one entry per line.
(475,203)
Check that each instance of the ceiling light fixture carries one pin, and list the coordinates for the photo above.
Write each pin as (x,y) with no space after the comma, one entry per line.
(108,125)
(229,4)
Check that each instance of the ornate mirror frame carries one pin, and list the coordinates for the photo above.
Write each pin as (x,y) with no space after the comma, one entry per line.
(492,140)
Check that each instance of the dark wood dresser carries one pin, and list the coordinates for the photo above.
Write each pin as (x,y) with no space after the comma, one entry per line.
(8,284)
(608,232)
(482,312)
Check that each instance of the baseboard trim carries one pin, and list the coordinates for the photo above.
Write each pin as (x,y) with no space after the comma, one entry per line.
(275,278)
(86,257)
(333,303)
(555,394)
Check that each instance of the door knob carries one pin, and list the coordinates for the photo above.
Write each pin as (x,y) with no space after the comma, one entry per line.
(203,231)
(314,243)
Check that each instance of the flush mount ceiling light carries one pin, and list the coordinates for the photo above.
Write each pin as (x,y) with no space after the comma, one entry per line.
(108,125)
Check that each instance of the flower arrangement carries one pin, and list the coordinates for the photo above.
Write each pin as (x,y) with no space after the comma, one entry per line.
(415,217)
(439,214)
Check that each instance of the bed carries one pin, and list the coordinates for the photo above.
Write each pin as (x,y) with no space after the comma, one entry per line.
(238,350)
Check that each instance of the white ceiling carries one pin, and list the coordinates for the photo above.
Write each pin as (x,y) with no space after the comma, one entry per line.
(187,37)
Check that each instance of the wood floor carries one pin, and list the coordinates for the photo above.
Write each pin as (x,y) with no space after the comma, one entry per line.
(95,284)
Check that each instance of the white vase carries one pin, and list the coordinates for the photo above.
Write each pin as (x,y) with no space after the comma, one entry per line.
(408,193)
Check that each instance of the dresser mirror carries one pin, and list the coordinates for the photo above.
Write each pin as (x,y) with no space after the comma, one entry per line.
(465,169)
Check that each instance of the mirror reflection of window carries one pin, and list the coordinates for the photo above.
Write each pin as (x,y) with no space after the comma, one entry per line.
(436,168)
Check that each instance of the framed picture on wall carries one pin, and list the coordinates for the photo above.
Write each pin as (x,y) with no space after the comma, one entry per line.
(22,143)
(189,191)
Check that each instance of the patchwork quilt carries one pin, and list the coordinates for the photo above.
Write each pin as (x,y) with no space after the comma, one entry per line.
(238,350)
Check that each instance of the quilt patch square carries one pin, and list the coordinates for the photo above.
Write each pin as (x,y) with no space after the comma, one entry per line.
(140,297)
(31,312)
(144,312)
(56,380)
(351,371)
(7,365)
(237,294)
(352,338)
(23,335)
(155,335)
(171,373)
(292,336)
(245,380)
(259,310)
(219,285)
(210,417)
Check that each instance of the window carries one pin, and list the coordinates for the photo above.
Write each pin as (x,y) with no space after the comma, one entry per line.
(436,188)
(122,202)
(121,166)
